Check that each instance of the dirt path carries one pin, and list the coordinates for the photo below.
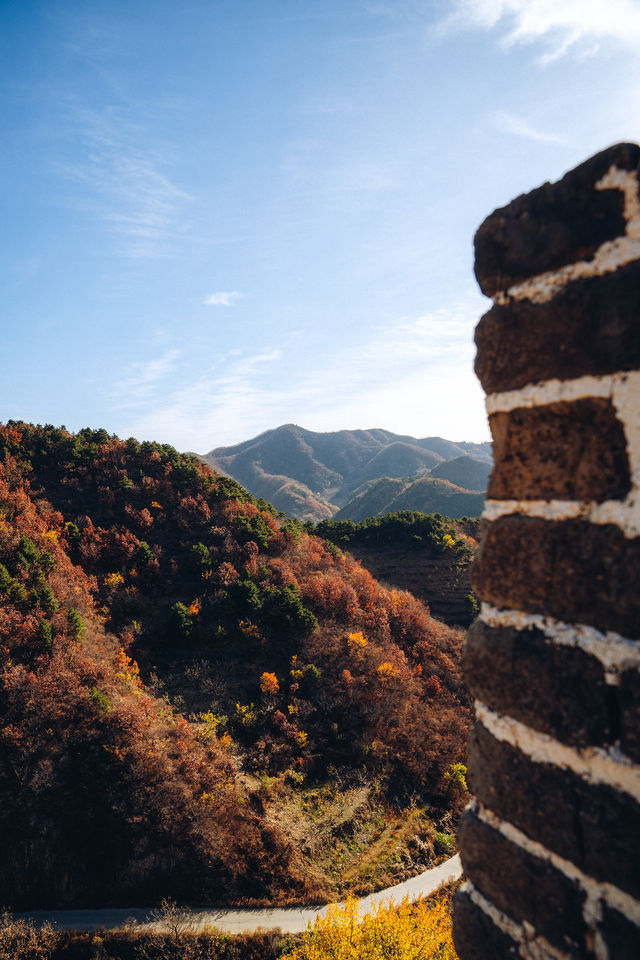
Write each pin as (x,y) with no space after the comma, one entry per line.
(228,920)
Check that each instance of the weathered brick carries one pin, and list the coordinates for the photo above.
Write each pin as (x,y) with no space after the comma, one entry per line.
(572,570)
(524,887)
(475,935)
(621,935)
(555,225)
(590,328)
(596,827)
(557,689)
(629,697)
(560,451)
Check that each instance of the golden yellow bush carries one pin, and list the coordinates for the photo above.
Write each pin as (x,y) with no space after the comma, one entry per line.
(247,713)
(387,670)
(357,642)
(113,580)
(128,670)
(411,931)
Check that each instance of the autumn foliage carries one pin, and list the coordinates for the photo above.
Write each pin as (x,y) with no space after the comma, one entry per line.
(410,931)
(131,576)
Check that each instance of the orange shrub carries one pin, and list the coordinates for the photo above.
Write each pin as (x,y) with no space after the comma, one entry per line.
(269,684)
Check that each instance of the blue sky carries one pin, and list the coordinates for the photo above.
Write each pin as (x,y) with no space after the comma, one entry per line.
(223,216)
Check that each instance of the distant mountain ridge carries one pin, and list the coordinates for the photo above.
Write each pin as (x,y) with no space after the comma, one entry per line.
(315,476)
(424,495)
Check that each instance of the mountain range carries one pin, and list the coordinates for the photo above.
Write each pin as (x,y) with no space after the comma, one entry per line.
(353,474)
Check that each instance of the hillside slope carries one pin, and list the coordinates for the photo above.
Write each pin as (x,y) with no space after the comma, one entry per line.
(424,495)
(101,782)
(169,643)
(465,472)
(311,475)
(428,555)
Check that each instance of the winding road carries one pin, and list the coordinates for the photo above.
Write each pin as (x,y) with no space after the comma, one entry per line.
(228,920)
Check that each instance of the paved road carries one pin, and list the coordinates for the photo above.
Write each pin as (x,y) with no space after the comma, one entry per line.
(287,919)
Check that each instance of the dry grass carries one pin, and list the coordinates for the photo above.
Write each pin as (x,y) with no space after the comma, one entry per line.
(351,840)
(21,940)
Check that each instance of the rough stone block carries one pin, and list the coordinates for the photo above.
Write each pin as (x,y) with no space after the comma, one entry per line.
(556,328)
(557,224)
(557,689)
(573,570)
(524,887)
(621,935)
(591,327)
(560,451)
(475,935)
(594,826)
(629,696)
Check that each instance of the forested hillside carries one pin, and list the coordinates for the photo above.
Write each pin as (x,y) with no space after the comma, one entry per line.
(312,475)
(427,554)
(171,647)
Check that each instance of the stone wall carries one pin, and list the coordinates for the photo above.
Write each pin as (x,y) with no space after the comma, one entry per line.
(551,842)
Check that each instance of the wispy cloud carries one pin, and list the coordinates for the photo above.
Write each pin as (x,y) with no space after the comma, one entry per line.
(412,376)
(223,298)
(128,188)
(143,377)
(579,26)
(235,397)
(509,123)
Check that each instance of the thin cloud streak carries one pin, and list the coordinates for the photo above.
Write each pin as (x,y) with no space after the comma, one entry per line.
(143,378)
(508,123)
(214,403)
(139,204)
